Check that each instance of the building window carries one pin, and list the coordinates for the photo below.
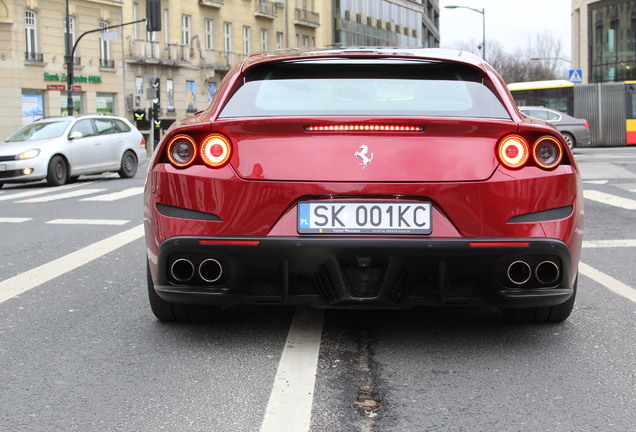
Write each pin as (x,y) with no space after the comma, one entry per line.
(247,31)
(263,39)
(166,26)
(191,96)
(227,37)
(279,40)
(31,39)
(105,103)
(135,12)
(305,41)
(104,48)
(209,33)
(185,29)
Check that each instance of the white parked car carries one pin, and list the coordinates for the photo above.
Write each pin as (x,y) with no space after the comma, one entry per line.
(61,149)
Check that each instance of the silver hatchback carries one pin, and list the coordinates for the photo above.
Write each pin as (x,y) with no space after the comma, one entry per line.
(61,149)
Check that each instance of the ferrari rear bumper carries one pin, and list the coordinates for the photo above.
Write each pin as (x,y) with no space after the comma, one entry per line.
(364,272)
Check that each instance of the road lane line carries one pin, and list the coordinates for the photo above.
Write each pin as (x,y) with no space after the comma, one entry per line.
(289,406)
(608,282)
(88,222)
(116,195)
(25,194)
(587,244)
(613,200)
(72,194)
(14,219)
(23,282)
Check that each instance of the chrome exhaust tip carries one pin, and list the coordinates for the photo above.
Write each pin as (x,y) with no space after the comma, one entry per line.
(547,272)
(519,272)
(182,270)
(210,270)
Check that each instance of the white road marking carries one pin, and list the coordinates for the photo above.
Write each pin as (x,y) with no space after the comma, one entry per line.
(608,282)
(116,195)
(56,197)
(14,219)
(609,243)
(88,222)
(598,182)
(613,200)
(25,194)
(289,407)
(23,282)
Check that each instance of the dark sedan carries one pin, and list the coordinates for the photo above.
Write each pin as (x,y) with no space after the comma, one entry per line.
(575,131)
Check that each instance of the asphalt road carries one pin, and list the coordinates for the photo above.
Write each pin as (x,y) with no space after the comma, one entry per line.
(81,351)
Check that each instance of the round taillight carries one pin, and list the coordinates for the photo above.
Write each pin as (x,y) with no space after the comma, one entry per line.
(215,151)
(181,151)
(548,152)
(513,151)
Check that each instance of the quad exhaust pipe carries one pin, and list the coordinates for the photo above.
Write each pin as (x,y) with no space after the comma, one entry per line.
(184,270)
(546,272)
(519,272)
(210,270)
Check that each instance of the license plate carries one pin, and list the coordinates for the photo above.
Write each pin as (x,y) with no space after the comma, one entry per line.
(404,217)
(3,167)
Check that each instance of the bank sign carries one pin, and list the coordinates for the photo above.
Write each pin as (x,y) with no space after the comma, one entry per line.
(92,79)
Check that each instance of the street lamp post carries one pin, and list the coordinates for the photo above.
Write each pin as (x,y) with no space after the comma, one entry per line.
(69,65)
(70,55)
(483,27)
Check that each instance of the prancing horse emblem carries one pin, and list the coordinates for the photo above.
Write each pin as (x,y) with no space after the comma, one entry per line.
(362,154)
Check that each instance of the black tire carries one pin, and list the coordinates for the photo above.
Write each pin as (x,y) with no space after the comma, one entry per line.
(569,139)
(1,184)
(546,314)
(57,171)
(128,167)
(170,312)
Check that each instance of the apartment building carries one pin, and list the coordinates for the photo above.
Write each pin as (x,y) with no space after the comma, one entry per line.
(125,69)
(604,39)
(32,59)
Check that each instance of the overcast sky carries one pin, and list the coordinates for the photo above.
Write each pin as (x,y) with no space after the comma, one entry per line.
(510,22)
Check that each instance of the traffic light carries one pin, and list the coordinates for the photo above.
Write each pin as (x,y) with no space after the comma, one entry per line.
(155,110)
(153,15)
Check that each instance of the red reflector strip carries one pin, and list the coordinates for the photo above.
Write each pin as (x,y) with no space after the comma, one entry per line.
(499,244)
(363,128)
(230,242)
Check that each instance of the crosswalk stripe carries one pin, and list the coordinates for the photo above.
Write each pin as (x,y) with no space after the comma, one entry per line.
(14,219)
(116,195)
(608,282)
(56,197)
(609,243)
(23,282)
(88,222)
(613,200)
(26,194)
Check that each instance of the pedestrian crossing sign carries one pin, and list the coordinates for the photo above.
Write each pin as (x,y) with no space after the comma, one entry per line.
(576,76)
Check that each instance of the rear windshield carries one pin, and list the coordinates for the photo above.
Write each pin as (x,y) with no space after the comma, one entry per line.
(358,88)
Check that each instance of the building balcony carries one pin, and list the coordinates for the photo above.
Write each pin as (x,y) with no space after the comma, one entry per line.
(211,3)
(307,18)
(77,61)
(220,60)
(267,9)
(106,63)
(34,57)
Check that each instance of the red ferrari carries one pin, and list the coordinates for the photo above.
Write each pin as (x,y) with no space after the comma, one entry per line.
(368,178)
